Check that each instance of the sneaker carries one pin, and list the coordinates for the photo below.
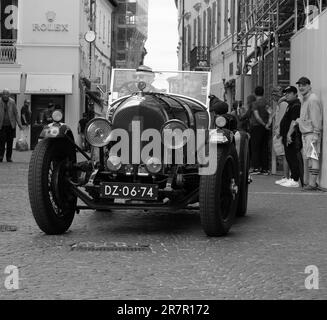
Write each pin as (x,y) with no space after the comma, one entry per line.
(281,181)
(255,171)
(309,188)
(291,184)
(9,160)
(265,173)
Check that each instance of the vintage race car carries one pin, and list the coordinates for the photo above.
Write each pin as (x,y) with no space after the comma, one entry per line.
(159,148)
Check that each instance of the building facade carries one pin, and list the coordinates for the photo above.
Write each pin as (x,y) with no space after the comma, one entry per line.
(308,57)
(130,31)
(48,57)
(206,29)
(247,43)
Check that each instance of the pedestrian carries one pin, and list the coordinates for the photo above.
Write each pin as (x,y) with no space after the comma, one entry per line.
(310,124)
(25,117)
(247,115)
(25,114)
(8,118)
(260,130)
(280,100)
(47,117)
(292,145)
(81,131)
(217,106)
(237,112)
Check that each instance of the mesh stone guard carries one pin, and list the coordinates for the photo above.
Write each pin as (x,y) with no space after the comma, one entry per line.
(4,228)
(91,246)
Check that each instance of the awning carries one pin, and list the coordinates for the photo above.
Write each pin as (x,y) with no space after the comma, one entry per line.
(10,81)
(49,84)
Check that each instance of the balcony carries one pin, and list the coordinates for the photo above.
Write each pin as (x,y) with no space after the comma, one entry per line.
(200,59)
(7,51)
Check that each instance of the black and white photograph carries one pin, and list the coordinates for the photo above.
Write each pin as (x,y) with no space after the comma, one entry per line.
(163,155)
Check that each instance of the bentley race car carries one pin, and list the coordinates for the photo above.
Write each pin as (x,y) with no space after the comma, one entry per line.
(158,148)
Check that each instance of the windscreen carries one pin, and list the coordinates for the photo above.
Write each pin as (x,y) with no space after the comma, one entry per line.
(193,84)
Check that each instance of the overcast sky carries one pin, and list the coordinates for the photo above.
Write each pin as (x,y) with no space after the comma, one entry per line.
(162,35)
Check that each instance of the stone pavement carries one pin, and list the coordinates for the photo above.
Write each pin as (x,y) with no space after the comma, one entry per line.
(22,156)
(263,257)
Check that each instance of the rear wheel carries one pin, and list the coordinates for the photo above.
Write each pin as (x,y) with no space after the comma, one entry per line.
(244,177)
(219,194)
(53,205)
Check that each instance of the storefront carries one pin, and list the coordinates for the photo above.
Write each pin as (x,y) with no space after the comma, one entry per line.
(49,58)
(46,89)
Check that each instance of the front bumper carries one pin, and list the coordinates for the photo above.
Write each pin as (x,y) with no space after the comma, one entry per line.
(109,204)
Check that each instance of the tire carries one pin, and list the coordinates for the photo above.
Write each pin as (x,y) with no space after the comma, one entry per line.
(218,194)
(53,206)
(244,177)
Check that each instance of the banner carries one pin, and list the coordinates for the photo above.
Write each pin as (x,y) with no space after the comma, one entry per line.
(8,18)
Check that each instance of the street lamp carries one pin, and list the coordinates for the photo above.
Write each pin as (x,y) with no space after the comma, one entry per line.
(90,37)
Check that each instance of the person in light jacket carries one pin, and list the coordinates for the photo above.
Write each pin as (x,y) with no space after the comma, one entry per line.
(310,124)
(8,119)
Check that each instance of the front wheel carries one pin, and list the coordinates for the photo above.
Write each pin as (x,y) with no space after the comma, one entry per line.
(53,205)
(218,194)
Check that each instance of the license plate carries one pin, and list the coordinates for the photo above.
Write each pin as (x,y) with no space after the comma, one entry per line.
(129,191)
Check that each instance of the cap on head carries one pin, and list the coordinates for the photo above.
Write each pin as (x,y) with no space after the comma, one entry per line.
(143,68)
(6,92)
(304,81)
(276,89)
(290,89)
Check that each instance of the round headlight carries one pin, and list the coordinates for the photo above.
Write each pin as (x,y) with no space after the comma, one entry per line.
(141,85)
(221,122)
(57,115)
(98,132)
(174,134)
(153,165)
(114,163)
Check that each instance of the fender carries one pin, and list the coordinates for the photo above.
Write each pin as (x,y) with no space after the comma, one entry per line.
(56,130)
(215,136)
(239,140)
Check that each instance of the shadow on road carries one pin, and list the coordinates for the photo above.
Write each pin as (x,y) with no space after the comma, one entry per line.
(131,222)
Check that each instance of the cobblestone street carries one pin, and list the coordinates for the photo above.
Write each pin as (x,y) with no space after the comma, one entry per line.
(263,257)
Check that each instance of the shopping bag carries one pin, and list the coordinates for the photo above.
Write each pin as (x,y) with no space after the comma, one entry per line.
(21,143)
(278,146)
(313,154)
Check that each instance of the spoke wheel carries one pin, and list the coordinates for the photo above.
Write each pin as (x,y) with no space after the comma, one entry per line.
(53,205)
(219,194)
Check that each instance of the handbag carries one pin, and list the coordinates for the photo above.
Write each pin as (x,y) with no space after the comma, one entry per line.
(278,146)
(21,143)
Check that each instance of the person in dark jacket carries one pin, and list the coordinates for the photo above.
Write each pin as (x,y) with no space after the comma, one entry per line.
(8,118)
(260,131)
(217,106)
(293,147)
(247,116)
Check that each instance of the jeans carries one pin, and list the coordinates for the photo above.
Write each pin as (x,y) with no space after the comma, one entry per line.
(294,160)
(7,135)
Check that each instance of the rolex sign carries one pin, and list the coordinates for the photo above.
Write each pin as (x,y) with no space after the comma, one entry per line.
(8,17)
